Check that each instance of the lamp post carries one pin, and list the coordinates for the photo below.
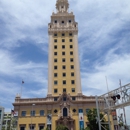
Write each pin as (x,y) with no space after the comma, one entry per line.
(32,115)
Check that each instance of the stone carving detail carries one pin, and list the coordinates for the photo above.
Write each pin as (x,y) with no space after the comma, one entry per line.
(62,20)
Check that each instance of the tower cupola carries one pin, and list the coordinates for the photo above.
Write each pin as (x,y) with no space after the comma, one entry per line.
(62,6)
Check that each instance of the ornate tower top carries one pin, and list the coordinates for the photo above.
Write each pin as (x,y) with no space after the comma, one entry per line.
(62,5)
(62,20)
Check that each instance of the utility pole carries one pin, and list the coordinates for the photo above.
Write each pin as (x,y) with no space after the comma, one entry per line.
(98,113)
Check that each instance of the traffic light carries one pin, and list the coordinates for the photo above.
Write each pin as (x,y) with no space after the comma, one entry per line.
(116,96)
(113,97)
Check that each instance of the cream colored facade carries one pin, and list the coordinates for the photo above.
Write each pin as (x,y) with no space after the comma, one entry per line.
(64,70)
(64,103)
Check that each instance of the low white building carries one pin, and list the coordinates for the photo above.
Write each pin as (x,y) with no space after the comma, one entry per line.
(1,116)
(7,120)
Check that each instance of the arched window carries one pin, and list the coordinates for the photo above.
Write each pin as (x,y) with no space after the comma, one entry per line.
(65,112)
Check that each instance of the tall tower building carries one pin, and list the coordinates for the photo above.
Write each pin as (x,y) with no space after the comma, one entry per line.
(64,70)
(65,104)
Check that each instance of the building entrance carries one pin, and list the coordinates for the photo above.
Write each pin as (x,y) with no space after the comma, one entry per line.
(66,121)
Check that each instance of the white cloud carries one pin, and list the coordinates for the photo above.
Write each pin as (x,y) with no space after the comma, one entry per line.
(115,68)
(31,73)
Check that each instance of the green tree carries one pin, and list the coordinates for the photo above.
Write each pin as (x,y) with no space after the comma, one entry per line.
(93,124)
(61,127)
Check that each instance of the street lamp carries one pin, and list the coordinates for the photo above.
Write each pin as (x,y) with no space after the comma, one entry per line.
(32,115)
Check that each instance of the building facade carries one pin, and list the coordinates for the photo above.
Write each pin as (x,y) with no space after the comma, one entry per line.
(1,116)
(7,120)
(65,104)
(64,70)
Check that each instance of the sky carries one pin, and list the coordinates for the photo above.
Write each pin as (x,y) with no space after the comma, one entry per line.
(104,46)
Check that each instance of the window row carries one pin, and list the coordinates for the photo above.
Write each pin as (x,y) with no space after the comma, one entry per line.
(32,127)
(64,98)
(63,67)
(63,60)
(23,113)
(81,110)
(32,113)
(64,90)
(63,74)
(63,82)
(63,46)
(63,40)
(41,112)
(63,34)
(69,21)
(63,53)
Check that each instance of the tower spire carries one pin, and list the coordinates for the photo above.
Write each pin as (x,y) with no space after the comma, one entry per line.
(62,6)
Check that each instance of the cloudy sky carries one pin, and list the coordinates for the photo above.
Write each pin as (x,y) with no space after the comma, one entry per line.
(104,46)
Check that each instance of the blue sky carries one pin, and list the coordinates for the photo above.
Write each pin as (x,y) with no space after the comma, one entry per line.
(104,46)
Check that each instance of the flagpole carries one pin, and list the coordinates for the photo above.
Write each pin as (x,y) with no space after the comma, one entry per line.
(21,88)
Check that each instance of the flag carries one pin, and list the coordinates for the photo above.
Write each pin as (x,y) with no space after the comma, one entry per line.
(22,82)
(12,112)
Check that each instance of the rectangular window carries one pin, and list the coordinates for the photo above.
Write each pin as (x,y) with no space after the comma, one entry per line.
(55,47)
(32,127)
(32,113)
(71,40)
(63,60)
(55,82)
(72,66)
(55,67)
(0,113)
(73,98)
(69,21)
(41,127)
(87,110)
(55,34)
(22,128)
(63,40)
(63,46)
(64,82)
(73,90)
(55,53)
(55,21)
(48,111)
(62,22)
(63,67)
(64,74)
(63,34)
(63,53)
(71,53)
(70,34)
(41,112)
(71,59)
(80,110)
(64,90)
(55,98)
(55,74)
(72,82)
(72,74)
(55,90)
(55,60)
(23,113)
(71,46)
(55,40)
